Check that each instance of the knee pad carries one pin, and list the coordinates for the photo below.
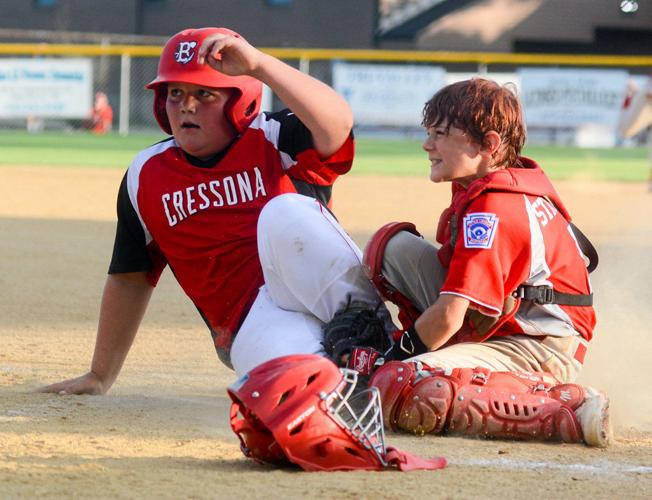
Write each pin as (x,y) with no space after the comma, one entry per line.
(411,401)
(425,409)
(393,380)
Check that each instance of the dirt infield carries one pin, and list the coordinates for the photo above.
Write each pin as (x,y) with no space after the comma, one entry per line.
(163,429)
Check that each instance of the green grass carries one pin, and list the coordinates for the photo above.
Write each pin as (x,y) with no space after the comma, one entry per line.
(72,149)
(407,158)
(374,156)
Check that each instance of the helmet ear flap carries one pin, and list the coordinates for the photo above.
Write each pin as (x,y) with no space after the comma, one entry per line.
(239,109)
(160,113)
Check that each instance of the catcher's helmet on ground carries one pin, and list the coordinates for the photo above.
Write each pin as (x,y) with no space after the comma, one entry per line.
(178,63)
(299,409)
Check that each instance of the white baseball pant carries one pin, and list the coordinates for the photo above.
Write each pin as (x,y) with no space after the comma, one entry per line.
(312,269)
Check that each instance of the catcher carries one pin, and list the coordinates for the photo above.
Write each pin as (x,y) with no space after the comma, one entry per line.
(498,317)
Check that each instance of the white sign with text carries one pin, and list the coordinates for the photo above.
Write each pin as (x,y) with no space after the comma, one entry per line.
(570,98)
(45,88)
(386,94)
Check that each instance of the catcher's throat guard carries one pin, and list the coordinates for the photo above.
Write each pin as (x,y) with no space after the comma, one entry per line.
(372,263)
(303,410)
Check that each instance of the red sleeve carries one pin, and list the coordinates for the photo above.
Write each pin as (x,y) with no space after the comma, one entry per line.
(492,251)
(310,168)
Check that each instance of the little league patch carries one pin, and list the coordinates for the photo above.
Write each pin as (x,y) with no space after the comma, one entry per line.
(479,230)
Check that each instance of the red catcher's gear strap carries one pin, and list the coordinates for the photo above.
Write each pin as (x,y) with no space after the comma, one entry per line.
(372,265)
(405,461)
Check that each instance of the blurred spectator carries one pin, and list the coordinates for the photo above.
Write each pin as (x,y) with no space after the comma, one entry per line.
(101,115)
(636,116)
(35,124)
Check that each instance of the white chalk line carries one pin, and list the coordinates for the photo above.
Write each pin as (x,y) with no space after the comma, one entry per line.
(602,467)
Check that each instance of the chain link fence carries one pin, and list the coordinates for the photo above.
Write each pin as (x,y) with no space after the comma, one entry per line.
(132,106)
(123,79)
(122,72)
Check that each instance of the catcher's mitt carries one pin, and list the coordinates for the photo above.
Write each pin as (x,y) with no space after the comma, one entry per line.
(358,325)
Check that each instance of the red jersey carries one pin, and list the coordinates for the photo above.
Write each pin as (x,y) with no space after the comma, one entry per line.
(513,234)
(200,218)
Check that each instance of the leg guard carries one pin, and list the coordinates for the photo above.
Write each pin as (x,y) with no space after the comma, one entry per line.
(411,401)
(481,403)
(493,412)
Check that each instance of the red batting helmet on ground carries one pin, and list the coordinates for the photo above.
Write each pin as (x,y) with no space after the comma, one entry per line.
(178,63)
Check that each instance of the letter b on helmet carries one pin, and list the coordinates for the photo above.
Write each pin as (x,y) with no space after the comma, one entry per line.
(184,52)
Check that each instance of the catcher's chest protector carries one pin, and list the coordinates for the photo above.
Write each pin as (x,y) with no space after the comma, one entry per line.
(478,402)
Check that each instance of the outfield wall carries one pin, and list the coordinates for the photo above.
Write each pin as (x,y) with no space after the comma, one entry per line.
(587,94)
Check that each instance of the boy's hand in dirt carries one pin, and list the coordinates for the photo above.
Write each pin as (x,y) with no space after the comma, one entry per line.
(88,383)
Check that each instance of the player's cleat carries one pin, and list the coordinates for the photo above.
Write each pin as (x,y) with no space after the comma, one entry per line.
(593,415)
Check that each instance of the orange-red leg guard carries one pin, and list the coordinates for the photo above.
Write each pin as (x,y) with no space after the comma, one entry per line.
(478,402)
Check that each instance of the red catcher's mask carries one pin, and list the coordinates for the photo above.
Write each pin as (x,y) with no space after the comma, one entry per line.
(299,409)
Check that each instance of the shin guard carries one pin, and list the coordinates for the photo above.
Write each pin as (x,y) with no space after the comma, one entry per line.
(478,402)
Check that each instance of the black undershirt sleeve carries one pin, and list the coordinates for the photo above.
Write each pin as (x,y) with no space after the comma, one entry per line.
(294,136)
(129,248)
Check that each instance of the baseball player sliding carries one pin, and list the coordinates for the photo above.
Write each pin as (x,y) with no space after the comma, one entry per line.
(498,318)
(219,203)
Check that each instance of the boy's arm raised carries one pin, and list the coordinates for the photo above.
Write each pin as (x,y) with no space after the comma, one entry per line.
(326,114)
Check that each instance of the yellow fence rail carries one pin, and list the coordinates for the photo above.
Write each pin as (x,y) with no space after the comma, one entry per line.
(484,58)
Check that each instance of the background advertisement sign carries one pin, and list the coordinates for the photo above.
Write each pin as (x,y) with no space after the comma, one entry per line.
(385,94)
(571,97)
(46,88)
